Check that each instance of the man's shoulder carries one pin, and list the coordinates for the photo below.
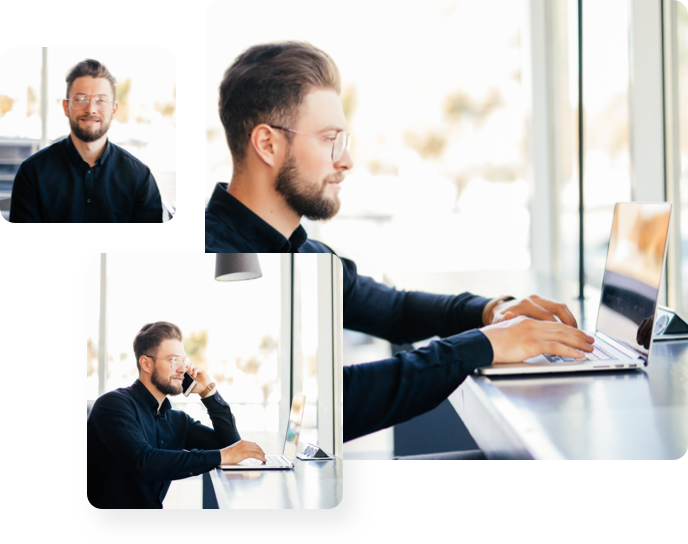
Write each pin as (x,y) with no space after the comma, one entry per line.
(121,397)
(45,154)
(122,155)
(313,246)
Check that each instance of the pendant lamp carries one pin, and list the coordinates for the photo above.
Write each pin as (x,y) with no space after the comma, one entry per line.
(237,266)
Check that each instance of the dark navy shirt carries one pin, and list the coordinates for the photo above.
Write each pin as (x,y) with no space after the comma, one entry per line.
(56,185)
(382,393)
(134,452)
(230,227)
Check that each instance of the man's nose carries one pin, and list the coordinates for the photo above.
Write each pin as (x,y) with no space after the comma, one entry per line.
(345,162)
(91,106)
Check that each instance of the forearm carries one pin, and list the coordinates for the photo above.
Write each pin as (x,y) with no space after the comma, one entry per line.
(224,431)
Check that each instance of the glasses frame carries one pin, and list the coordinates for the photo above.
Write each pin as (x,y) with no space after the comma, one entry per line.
(90,98)
(347,142)
(169,360)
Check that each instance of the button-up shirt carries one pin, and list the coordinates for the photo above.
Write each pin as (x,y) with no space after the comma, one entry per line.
(230,227)
(56,185)
(134,451)
(391,391)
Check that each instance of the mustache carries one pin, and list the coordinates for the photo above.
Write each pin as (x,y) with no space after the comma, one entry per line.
(337,178)
(90,118)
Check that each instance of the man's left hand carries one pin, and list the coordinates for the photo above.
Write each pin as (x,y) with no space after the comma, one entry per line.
(535,307)
(202,379)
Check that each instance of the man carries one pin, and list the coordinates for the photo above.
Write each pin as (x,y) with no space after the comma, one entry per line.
(137,443)
(279,104)
(85,178)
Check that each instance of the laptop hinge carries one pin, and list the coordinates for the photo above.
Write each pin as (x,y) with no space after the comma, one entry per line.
(618,346)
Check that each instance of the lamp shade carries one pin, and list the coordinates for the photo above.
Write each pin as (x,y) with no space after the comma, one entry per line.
(237,266)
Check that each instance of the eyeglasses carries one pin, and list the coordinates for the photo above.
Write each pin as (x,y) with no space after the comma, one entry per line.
(175,362)
(80,101)
(339,143)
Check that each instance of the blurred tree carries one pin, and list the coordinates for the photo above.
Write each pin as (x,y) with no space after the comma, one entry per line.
(349,102)
(249,366)
(430,145)
(194,345)
(6,104)
(123,110)
(32,104)
(167,108)
(459,106)
(91,357)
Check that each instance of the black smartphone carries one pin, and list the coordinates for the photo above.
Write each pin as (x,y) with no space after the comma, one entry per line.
(188,384)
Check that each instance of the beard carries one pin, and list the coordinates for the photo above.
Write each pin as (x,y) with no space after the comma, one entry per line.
(89,135)
(170,388)
(305,199)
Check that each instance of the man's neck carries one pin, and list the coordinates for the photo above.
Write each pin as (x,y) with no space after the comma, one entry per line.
(90,151)
(263,200)
(159,395)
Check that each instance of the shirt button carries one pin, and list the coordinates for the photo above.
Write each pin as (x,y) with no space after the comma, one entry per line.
(190,473)
(88,200)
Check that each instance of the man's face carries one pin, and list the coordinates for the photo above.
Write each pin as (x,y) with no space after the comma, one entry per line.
(309,180)
(168,381)
(90,124)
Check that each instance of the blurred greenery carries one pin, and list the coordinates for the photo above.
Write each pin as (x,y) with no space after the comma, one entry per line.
(123,110)
(91,357)
(195,345)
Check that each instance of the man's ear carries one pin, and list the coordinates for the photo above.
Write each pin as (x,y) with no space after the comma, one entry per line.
(65,106)
(267,144)
(114,108)
(146,364)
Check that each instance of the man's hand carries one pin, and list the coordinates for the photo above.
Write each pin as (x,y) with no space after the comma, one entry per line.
(535,307)
(520,338)
(231,455)
(202,379)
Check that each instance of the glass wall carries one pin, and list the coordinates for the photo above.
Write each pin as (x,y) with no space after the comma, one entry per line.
(145,122)
(230,329)
(437,139)
(607,178)
(682,80)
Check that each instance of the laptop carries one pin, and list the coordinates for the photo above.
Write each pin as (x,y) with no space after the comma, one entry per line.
(291,440)
(630,288)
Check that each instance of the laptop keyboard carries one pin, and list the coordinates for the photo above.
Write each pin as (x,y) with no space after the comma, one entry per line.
(270,460)
(598,354)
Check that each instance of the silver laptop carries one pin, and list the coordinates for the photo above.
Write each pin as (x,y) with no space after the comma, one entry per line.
(291,440)
(625,319)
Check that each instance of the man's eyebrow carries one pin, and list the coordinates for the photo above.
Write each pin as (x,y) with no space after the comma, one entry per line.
(332,127)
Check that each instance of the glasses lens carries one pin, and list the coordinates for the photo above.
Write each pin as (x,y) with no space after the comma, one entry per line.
(176,362)
(80,101)
(341,142)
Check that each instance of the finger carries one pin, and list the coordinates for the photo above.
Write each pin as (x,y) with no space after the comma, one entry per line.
(575,323)
(534,310)
(555,348)
(569,340)
(540,327)
(256,452)
(551,308)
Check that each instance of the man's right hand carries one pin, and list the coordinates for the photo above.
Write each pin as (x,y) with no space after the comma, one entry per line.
(520,338)
(237,452)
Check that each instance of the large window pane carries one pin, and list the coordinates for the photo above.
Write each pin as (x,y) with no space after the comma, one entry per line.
(230,329)
(437,139)
(606,125)
(682,65)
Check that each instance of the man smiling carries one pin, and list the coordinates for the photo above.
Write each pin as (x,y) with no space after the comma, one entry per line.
(85,178)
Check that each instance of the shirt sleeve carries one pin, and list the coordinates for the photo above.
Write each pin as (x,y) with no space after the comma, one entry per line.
(384,393)
(148,205)
(224,432)
(24,205)
(117,427)
(403,317)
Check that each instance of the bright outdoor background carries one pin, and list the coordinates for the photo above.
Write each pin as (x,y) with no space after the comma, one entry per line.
(437,110)
(144,125)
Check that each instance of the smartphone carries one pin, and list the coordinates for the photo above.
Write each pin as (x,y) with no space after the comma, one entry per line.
(188,384)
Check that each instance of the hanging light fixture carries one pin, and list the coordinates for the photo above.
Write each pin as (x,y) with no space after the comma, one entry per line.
(237,266)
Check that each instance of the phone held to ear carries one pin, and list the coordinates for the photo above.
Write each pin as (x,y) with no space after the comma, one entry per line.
(188,384)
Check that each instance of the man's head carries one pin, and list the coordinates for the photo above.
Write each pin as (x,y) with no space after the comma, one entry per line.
(293,86)
(155,346)
(90,103)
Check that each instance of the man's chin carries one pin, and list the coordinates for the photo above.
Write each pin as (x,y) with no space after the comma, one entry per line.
(176,389)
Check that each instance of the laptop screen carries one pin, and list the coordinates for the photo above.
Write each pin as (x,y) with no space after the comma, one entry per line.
(298,404)
(633,272)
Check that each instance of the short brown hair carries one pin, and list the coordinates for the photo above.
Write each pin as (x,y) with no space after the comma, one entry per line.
(267,84)
(90,68)
(151,336)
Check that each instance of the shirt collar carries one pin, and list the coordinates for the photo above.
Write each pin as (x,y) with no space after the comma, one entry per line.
(76,158)
(243,223)
(148,399)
